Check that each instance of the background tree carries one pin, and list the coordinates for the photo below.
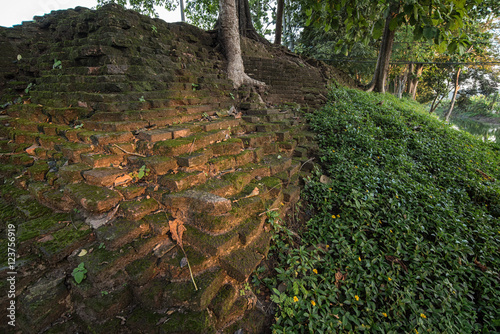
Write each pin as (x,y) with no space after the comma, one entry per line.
(432,20)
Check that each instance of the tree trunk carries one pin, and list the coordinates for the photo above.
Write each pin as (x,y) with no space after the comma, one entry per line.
(230,40)
(279,22)
(434,104)
(402,83)
(183,19)
(414,78)
(454,98)
(384,56)
(245,23)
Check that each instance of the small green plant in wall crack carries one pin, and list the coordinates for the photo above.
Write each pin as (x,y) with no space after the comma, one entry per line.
(79,273)
(142,172)
(57,64)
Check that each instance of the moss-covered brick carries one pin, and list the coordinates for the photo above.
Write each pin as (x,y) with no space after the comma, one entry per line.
(258,139)
(30,207)
(222,163)
(22,159)
(7,171)
(240,263)
(180,181)
(277,163)
(204,139)
(73,173)
(223,301)
(217,187)
(269,127)
(142,270)
(238,179)
(43,302)
(104,176)
(144,320)
(244,158)
(197,201)
(106,304)
(287,146)
(38,171)
(136,210)
(42,225)
(118,148)
(158,222)
(131,191)
(200,322)
(228,147)
(112,138)
(24,124)
(121,232)
(50,142)
(250,228)
(64,241)
(194,159)
(160,165)
(101,160)
(283,135)
(93,198)
(85,136)
(227,123)
(291,194)
(213,245)
(262,243)
(72,151)
(208,283)
(23,137)
(197,260)
(173,147)
(156,135)
(55,198)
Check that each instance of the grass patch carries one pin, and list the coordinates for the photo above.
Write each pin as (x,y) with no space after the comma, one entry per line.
(406,236)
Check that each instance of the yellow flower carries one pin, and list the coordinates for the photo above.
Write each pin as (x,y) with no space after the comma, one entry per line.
(416,332)
(359,258)
(423,315)
(313,303)
(384,314)
(357,297)
(397,196)
(295,299)
(315,271)
(333,151)
(330,189)
(333,216)
(390,231)
(338,216)
(390,279)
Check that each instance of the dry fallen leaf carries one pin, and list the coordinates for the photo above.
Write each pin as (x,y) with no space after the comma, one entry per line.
(122,180)
(31,150)
(83,252)
(177,228)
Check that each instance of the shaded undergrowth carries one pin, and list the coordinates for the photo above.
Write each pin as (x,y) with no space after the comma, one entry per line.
(405,232)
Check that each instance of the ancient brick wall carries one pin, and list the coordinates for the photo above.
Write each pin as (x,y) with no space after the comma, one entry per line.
(126,132)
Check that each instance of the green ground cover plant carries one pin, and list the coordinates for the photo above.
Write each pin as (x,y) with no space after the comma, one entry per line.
(405,238)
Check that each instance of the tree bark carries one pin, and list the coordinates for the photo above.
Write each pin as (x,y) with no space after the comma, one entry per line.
(414,79)
(454,98)
(230,41)
(245,23)
(279,22)
(382,69)
(183,19)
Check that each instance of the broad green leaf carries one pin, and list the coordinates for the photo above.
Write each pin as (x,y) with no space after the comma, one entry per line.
(428,33)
